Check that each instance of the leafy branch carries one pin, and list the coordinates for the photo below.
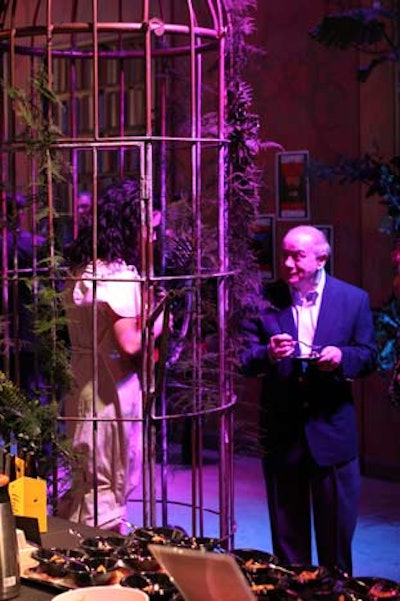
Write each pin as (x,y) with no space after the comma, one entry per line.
(35,419)
(372,31)
(30,423)
(381,178)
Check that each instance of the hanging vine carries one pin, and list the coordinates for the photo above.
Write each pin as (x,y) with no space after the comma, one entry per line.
(34,418)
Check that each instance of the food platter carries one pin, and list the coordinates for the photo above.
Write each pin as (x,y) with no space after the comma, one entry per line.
(97,560)
(35,575)
(30,574)
(35,572)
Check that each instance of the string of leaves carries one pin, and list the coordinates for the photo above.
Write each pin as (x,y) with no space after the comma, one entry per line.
(244,180)
(34,420)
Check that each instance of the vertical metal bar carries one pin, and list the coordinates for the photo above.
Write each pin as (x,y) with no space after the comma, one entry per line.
(149,397)
(8,131)
(161,97)
(396,85)
(196,208)
(94,306)
(149,502)
(143,251)
(148,67)
(13,276)
(122,97)
(49,181)
(74,135)
(224,388)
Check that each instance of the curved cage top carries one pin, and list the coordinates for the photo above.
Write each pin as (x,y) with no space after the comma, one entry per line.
(30,29)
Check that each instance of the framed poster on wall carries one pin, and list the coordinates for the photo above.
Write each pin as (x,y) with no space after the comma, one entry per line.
(328,231)
(292,185)
(264,245)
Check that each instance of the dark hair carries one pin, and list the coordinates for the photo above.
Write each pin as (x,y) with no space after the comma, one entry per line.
(118,228)
(14,203)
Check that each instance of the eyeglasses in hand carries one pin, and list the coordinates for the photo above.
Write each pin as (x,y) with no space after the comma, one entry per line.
(315,349)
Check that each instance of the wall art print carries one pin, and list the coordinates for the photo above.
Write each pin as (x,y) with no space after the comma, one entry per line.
(292,185)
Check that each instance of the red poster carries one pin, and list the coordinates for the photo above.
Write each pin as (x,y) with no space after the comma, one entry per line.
(292,185)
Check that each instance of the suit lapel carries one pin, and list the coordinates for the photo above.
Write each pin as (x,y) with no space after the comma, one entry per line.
(286,321)
(325,321)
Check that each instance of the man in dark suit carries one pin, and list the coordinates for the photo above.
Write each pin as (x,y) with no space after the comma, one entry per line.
(312,341)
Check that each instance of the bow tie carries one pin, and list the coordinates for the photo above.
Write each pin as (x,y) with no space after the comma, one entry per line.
(308,300)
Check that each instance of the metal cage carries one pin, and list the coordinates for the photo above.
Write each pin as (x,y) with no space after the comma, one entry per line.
(100,91)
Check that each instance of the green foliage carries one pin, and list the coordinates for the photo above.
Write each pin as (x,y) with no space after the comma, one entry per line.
(381,178)
(244,180)
(29,422)
(372,31)
(369,30)
(35,420)
(243,176)
(387,328)
(33,107)
(50,328)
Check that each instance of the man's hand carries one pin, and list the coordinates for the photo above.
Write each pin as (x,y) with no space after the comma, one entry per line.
(330,358)
(280,346)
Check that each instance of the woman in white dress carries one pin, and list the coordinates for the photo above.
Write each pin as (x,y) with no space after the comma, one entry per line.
(105,297)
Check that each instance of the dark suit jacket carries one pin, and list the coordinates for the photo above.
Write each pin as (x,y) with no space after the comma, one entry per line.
(320,404)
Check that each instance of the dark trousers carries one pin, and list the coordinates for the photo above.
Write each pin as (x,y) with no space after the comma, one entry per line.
(298,490)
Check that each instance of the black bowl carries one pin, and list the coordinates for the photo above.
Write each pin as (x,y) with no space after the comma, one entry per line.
(156,584)
(334,594)
(135,581)
(374,588)
(159,535)
(272,592)
(52,561)
(255,561)
(79,573)
(102,569)
(92,571)
(202,543)
(136,560)
(72,554)
(306,576)
(102,545)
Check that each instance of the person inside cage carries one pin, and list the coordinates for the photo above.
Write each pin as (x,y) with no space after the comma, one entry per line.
(104,409)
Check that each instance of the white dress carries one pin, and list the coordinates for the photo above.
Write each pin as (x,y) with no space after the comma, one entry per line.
(114,450)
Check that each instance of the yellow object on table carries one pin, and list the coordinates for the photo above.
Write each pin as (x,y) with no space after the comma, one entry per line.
(29,499)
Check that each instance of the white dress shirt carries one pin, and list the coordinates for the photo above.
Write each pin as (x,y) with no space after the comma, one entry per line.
(305,313)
